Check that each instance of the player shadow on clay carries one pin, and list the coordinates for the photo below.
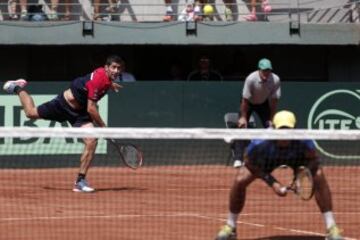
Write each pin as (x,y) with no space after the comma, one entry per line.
(307,237)
(120,189)
(114,189)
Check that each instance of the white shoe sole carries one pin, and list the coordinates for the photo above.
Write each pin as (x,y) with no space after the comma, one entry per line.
(84,191)
(20,82)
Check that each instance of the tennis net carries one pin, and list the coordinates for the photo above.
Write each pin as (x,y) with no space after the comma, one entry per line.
(180,192)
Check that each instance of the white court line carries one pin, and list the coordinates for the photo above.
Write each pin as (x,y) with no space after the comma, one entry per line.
(274,227)
(345,188)
(298,213)
(228,189)
(99,216)
(158,215)
(196,215)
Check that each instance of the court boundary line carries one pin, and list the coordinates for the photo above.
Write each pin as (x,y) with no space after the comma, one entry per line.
(186,214)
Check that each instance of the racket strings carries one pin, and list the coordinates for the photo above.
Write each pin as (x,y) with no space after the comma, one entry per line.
(304,184)
(131,155)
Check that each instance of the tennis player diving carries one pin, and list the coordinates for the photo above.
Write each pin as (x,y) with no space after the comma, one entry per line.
(77,105)
(262,157)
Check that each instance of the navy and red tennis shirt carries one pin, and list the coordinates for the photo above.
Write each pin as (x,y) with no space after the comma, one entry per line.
(92,86)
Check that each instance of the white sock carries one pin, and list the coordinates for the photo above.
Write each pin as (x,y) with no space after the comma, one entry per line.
(329,219)
(232,219)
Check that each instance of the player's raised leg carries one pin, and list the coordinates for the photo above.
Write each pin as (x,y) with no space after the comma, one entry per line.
(17,87)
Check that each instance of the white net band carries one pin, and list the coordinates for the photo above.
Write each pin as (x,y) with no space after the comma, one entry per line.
(181,133)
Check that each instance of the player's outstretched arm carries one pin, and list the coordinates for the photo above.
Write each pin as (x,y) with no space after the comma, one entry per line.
(116,86)
(94,113)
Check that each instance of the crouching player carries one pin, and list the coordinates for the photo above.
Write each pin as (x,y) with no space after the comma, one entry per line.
(262,157)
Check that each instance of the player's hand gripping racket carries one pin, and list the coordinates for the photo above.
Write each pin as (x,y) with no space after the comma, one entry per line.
(303,183)
(130,154)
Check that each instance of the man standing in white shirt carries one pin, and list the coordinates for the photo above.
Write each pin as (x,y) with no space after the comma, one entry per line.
(261,93)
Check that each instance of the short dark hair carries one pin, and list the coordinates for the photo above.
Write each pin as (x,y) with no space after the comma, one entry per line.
(114,58)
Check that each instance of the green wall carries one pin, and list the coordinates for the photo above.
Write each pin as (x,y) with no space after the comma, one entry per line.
(183,104)
(173,104)
(203,104)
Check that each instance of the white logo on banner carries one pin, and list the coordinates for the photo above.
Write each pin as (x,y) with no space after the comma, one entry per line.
(324,115)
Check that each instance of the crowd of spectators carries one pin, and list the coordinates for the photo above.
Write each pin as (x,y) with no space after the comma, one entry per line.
(35,12)
(192,10)
(12,8)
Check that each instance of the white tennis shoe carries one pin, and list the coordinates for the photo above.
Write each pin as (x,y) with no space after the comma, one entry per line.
(334,233)
(226,233)
(83,186)
(10,86)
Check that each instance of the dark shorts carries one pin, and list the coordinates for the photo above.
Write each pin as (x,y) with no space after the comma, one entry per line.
(59,110)
(262,110)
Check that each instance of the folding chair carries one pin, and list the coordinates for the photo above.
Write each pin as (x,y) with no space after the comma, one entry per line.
(231,119)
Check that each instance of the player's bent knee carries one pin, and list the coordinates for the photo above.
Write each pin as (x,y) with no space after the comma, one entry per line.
(319,177)
(90,142)
(32,114)
(318,172)
(244,176)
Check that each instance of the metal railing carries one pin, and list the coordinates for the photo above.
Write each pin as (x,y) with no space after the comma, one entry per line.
(155,10)
(344,13)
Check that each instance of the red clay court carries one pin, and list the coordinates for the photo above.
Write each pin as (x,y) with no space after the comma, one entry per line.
(163,202)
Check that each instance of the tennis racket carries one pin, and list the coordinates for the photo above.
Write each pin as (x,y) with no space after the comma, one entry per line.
(303,183)
(130,154)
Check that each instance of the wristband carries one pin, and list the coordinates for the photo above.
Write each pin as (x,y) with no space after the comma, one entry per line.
(269,179)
